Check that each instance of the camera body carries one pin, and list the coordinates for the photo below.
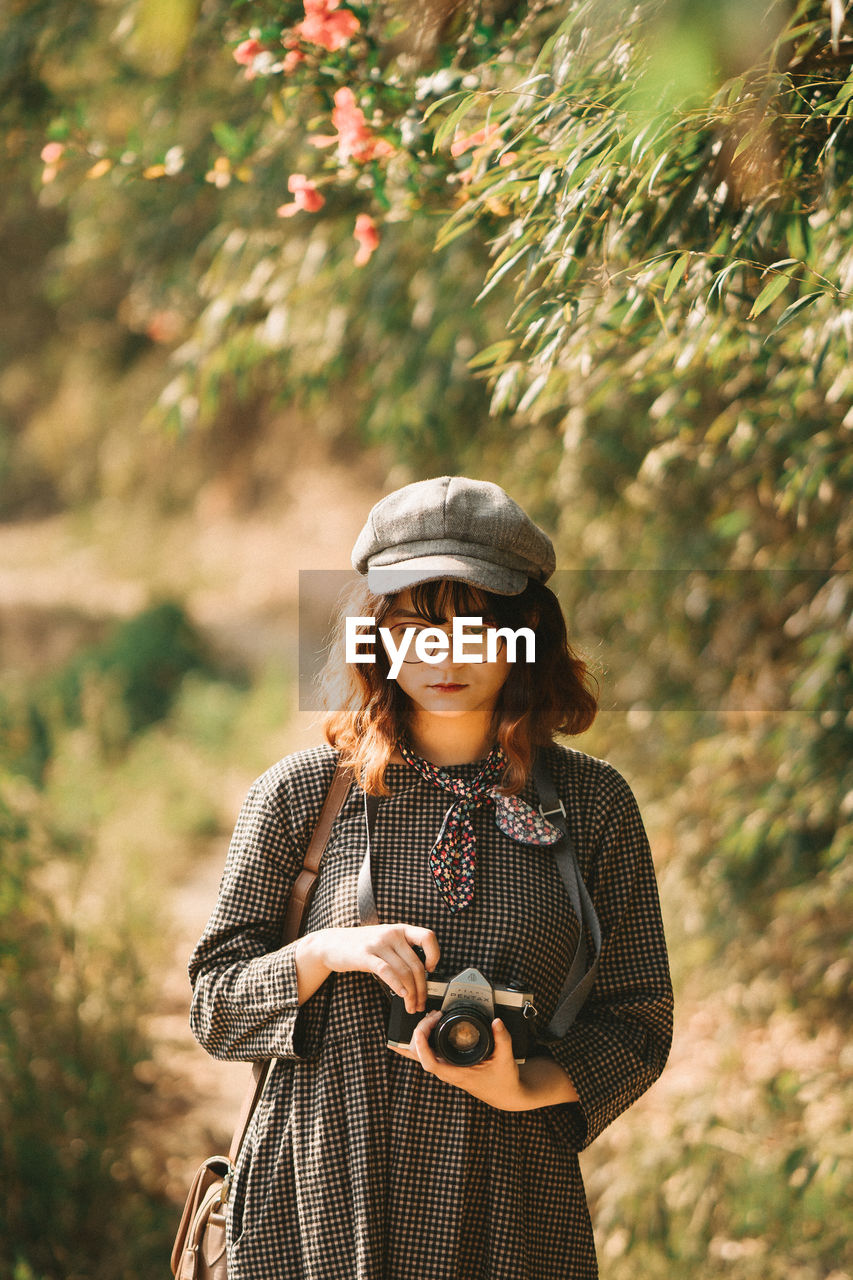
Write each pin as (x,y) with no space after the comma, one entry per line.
(468,1003)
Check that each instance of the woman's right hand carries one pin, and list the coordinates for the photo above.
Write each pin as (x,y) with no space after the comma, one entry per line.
(386,950)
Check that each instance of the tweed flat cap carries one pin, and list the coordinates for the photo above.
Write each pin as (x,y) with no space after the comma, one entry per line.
(451,527)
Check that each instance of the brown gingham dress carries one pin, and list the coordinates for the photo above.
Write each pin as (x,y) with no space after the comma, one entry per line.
(358,1165)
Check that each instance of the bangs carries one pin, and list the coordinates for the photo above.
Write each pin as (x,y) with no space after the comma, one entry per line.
(448,597)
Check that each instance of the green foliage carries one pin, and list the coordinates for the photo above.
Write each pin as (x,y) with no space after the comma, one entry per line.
(737,1162)
(769,1207)
(88,862)
(710,184)
(75,1202)
(706,175)
(725,196)
(115,688)
(138,669)
(621,230)
(25,745)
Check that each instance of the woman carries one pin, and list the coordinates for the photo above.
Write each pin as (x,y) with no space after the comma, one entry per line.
(370,1161)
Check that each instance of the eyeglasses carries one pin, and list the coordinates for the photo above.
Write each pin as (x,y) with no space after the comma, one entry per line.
(475,640)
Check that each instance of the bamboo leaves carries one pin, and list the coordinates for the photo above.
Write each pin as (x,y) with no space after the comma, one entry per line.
(692,206)
(768,295)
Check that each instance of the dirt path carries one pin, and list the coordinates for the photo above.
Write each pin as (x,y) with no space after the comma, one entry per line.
(199,1096)
(237,573)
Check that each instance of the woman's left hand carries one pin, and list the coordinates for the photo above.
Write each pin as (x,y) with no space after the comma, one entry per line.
(496,1080)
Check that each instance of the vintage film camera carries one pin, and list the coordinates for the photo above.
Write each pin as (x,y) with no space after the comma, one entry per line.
(468,1003)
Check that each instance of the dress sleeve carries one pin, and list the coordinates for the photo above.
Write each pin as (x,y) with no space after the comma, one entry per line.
(620,1041)
(244,1004)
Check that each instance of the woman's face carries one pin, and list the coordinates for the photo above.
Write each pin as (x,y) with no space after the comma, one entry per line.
(445,688)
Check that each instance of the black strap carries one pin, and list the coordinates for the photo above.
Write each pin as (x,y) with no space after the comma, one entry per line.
(367,913)
(579,979)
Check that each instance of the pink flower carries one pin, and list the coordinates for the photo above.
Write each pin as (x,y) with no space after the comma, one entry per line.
(354,137)
(355,140)
(247,54)
(52,152)
(368,239)
(291,61)
(164,326)
(247,51)
(486,137)
(327,25)
(294,54)
(305,197)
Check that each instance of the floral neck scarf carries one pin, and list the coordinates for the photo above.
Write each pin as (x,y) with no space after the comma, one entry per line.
(451,858)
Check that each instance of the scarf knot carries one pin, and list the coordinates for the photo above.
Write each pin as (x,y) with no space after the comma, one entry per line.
(452,857)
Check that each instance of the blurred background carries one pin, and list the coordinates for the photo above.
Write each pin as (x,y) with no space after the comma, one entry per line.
(259,266)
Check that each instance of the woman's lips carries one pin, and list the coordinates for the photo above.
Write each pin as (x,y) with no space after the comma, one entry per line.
(447,688)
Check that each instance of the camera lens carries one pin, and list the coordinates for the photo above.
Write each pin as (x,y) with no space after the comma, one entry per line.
(463,1036)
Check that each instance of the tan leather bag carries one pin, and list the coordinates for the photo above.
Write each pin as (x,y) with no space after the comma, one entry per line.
(199,1249)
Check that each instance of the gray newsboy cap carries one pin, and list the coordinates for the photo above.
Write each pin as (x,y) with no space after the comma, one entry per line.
(451,527)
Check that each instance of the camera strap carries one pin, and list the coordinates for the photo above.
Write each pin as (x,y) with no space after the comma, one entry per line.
(367,913)
(580,978)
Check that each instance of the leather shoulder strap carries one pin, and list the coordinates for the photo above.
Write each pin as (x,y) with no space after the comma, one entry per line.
(305,883)
(294,921)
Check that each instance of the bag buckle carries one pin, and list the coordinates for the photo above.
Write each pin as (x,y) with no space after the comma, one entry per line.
(547,812)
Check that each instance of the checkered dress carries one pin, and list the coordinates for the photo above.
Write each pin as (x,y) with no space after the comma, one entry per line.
(358,1165)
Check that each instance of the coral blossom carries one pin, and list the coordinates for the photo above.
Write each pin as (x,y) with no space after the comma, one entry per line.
(251,54)
(52,152)
(487,137)
(247,51)
(368,239)
(327,25)
(292,60)
(355,140)
(305,197)
(294,54)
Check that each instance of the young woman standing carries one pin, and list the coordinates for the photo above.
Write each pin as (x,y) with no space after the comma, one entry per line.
(374,1161)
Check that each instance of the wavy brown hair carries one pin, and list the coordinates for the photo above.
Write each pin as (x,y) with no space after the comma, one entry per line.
(366,713)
